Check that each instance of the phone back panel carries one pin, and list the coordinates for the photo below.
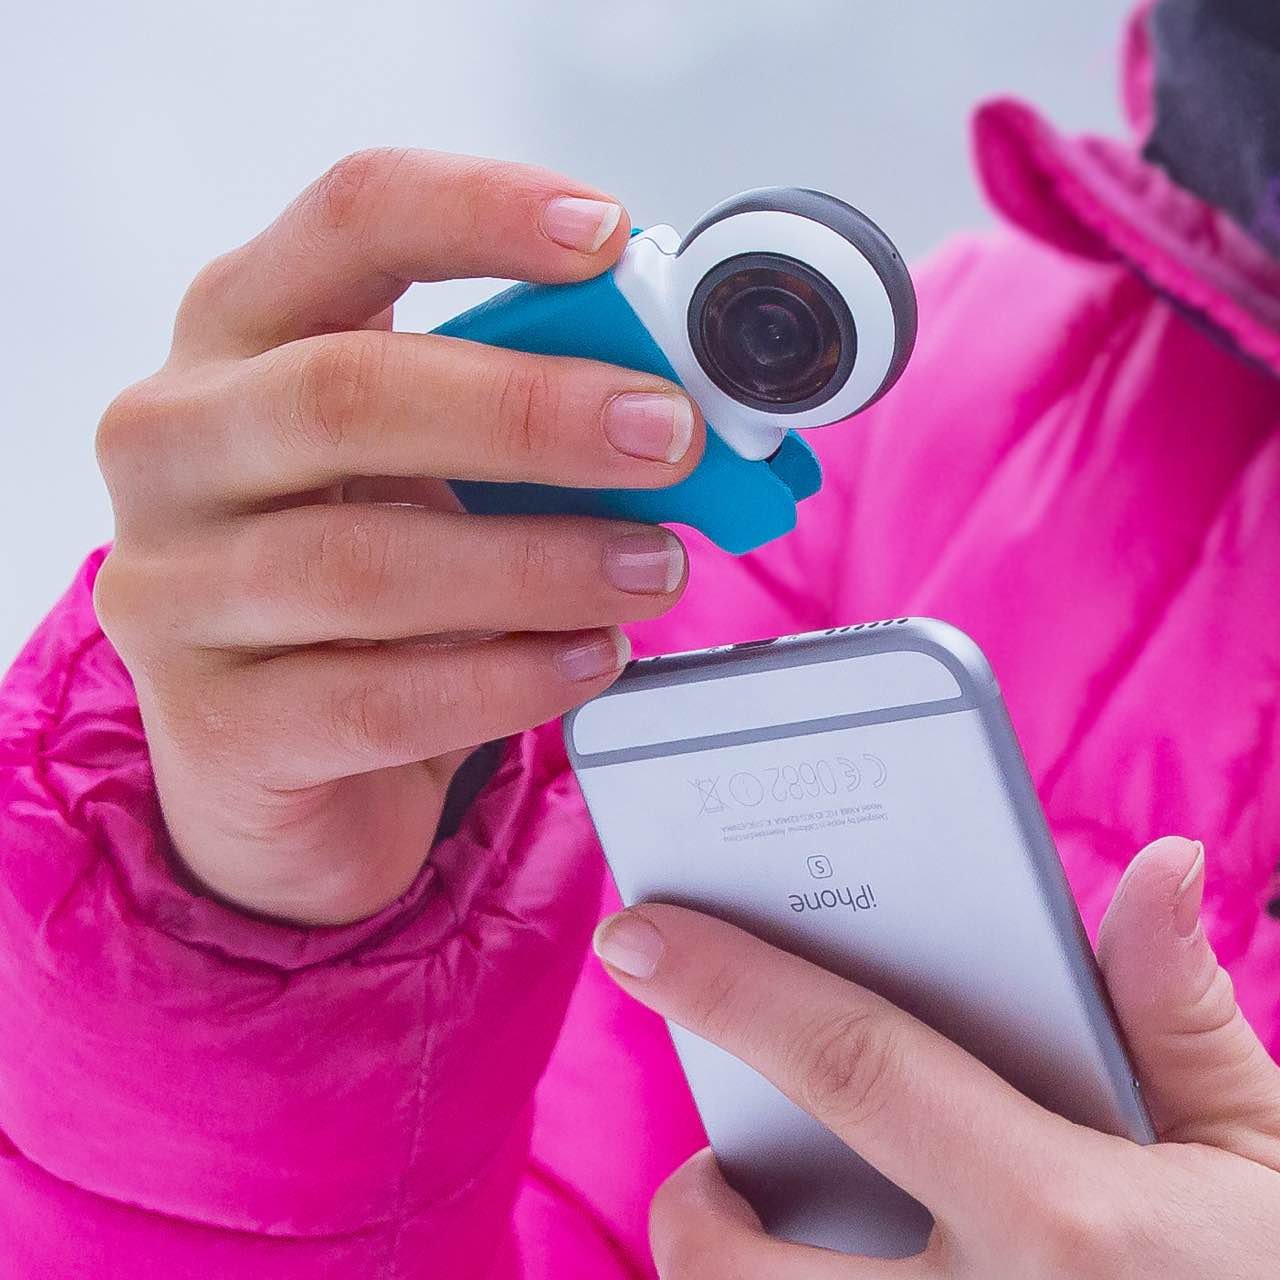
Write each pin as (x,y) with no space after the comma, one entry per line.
(859,799)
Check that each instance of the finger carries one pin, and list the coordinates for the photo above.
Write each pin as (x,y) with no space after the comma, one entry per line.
(1206,1076)
(346,572)
(319,412)
(910,1102)
(349,246)
(415,404)
(324,412)
(319,715)
(701,1229)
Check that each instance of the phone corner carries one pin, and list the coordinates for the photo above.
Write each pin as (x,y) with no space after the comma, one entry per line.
(960,654)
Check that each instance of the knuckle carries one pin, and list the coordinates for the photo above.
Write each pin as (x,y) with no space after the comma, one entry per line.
(334,389)
(112,597)
(147,610)
(345,195)
(129,420)
(484,174)
(348,564)
(534,567)
(366,718)
(714,1006)
(485,184)
(683,1247)
(467,687)
(210,285)
(1079,1225)
(1213,1007)
(528,401)
(851,1065)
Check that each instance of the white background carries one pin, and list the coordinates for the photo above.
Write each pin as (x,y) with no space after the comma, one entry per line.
(143,137)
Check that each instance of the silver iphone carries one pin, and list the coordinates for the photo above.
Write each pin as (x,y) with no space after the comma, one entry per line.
(859,798)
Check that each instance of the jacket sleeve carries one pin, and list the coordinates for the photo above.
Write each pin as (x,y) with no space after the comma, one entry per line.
(186,1090)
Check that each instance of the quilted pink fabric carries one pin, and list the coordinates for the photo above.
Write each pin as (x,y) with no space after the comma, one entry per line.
(1081,468)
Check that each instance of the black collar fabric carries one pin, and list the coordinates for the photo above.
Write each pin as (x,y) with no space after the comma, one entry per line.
(1217,132)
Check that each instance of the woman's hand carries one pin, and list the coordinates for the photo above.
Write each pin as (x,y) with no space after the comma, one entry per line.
(1033,1196)
(317,633)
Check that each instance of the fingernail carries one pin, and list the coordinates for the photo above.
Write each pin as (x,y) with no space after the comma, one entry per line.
(580,224)
(591,656)
(650,563)
(1190,897)
(630,944)
(658,427)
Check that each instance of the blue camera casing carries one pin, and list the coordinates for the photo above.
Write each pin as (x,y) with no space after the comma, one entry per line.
(739,502)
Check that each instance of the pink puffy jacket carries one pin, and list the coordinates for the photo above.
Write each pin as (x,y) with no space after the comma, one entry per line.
(1082,469)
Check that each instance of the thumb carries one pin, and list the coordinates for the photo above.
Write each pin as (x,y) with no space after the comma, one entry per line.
(1206,1076)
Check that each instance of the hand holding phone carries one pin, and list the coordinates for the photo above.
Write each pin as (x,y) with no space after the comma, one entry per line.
(857,799)
(1017,1192)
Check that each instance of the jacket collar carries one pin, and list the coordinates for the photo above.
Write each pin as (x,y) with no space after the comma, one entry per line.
(1097,198)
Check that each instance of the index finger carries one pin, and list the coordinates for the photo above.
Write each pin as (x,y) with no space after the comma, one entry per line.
(377,221)
(930,1117)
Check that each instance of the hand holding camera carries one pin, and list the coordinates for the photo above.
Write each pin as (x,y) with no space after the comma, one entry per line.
(318,634)
(318,630)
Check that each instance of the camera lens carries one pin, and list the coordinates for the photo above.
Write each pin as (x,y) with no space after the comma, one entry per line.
(772,333)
